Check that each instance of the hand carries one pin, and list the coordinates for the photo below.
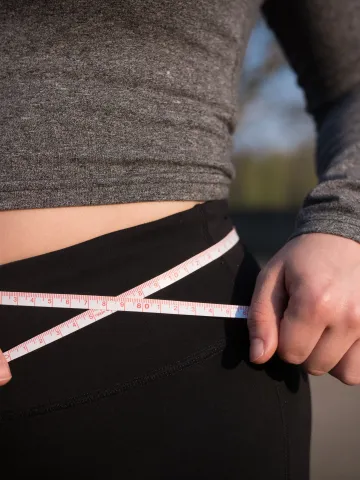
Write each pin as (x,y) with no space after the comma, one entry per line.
(5,374)
(306,305)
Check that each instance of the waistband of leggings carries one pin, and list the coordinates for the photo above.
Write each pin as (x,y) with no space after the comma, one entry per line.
(208,221)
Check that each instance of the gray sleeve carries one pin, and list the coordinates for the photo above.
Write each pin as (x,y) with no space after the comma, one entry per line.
(321,39)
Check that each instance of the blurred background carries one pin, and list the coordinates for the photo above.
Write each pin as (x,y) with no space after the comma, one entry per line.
(274,148)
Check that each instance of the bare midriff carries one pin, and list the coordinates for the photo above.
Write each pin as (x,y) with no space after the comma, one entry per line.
(31,232)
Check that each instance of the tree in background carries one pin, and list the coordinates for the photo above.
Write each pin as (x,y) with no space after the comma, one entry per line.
(275,159)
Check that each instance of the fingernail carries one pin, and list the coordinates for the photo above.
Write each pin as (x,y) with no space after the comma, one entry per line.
(5,373)
(256,349)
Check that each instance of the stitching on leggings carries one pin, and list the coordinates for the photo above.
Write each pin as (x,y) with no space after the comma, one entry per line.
(286,435)
(210,240)
(205,229)
(118,389)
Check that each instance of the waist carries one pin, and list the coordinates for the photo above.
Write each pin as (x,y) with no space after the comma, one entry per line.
(32,232)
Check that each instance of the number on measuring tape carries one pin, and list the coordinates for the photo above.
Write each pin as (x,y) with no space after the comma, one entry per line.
(134,300)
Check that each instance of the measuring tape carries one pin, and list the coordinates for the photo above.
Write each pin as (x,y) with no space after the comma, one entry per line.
(130,301)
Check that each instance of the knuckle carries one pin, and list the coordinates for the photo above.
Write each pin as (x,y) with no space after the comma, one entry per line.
(353,317)
(290,356)
(321,302)
(258,312)
(317,302)
(256,328)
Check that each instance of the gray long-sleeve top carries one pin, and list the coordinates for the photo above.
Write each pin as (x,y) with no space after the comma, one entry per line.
(136,100)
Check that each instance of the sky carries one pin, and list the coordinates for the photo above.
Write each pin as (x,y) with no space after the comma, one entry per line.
(267,124)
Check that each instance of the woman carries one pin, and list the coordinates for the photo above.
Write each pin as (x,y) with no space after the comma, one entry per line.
(116,145)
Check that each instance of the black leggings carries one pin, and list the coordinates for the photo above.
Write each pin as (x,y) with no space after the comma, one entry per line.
(137,396)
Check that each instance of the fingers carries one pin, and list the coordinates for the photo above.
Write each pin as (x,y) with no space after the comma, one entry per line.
(320,327)
(266,309)
(5,374)
(317,330)
(302,326)
(348,368)
(328,352)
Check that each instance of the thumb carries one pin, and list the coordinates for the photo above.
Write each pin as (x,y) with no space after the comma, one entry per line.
(267,306)
(5,374)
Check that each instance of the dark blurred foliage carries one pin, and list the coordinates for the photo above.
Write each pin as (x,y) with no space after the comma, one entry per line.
(273,181)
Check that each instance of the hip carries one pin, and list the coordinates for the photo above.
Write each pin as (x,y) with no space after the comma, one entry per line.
(109,265)
(30,232)
(109,387)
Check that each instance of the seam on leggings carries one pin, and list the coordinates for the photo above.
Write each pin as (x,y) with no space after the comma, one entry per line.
(286,434)
(119,389)
(210,241)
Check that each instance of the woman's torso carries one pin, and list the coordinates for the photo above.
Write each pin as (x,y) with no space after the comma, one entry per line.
(115,114)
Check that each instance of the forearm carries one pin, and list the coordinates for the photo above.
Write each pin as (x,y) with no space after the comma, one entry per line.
(333,206)
(321,40)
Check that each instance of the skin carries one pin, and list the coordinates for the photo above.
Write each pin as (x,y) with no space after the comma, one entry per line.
(50,229)
(5,374)
(305,307)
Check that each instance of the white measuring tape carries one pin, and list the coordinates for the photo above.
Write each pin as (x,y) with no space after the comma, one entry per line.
(130,301)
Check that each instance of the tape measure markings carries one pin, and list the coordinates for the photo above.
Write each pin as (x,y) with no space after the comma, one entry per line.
(136,294)
(123,304)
